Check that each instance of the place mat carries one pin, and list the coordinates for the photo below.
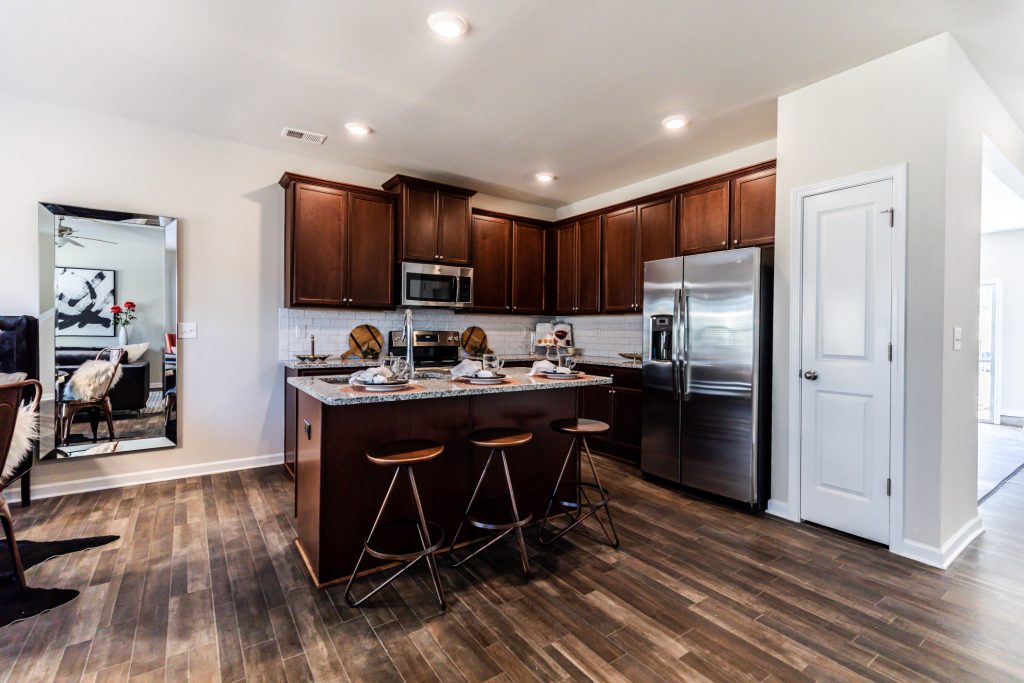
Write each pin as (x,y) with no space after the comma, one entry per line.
(360,391)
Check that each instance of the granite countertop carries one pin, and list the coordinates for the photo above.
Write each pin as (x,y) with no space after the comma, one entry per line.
(436,386)
(337,363)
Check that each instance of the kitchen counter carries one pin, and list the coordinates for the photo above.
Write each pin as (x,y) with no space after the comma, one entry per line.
(338,491)
(435,386)
(341,364)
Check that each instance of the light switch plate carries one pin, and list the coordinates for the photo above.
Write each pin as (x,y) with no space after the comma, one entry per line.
(187,331)
(958,338)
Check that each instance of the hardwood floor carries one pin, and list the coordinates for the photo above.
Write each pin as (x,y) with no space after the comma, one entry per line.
(1000,454)
(206,584)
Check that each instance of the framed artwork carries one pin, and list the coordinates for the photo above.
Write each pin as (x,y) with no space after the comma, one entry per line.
(83,300)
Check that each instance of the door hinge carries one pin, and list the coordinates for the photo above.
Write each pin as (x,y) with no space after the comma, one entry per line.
(888,487)
(892,216)
(890,352)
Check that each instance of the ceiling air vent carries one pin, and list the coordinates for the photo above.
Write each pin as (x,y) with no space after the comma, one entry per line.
(304,135)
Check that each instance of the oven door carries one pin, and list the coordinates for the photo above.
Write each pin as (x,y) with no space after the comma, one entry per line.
(430,285)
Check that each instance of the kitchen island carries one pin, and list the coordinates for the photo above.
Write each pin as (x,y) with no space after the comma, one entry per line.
(339,492)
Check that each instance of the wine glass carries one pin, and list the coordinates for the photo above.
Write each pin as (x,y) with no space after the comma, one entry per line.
(399,368)
(493,362)
(570,362)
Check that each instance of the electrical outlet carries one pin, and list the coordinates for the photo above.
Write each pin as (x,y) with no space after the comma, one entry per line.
(187,331)
(958,338)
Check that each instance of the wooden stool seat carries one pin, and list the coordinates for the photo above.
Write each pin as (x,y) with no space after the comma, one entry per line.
(408,452)
(499,437)
(579,425)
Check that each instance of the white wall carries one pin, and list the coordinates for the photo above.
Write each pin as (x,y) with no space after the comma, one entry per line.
(1002,254)
(231,258)
(926,106)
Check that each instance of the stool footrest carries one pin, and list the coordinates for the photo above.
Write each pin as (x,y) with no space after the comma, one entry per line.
(499,526)
(434,542)
(586,505)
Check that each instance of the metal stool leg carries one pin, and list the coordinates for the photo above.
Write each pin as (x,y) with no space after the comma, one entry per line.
(553,498)
(465,515)
(593,508)
(613,540)
(515,516)
(425,538)
(369,537)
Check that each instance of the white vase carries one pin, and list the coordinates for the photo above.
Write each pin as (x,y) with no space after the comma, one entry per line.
(122,335)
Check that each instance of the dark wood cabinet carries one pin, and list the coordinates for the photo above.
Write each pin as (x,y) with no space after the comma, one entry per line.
(491,238)
(529,272)
(618,261)
(434,221)
(656,237)
(338,244)
(753,209)
(577,264)
(620,405)
(704,218)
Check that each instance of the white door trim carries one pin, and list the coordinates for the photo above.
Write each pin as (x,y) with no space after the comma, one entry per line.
(997,348)
(898,176)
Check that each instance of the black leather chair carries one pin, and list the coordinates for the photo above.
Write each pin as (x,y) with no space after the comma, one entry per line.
(130,393)
(19,352)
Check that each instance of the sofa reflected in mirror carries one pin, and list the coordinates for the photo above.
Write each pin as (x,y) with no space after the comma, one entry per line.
(108,302)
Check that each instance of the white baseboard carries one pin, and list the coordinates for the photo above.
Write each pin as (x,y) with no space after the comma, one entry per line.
(780,508)
(1011,413)
(63,488)
(950,550)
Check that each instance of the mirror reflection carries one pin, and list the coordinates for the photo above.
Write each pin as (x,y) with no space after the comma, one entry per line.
(108,283)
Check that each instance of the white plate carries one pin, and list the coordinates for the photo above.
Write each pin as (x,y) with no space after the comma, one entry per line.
(560,375)
(485,380)
(381,387)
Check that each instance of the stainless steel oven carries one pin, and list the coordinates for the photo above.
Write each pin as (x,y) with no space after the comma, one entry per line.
(428,284)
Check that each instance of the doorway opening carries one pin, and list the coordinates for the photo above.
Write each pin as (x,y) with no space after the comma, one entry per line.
(1000,324)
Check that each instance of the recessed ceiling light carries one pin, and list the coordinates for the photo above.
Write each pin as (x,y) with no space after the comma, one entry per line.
(545,176)
(358,128)
(447,24)
(674,122)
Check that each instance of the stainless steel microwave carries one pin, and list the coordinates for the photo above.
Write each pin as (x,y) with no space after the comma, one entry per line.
(428,284)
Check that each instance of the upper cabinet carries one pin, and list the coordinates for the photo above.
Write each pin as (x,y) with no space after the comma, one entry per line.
(338,244)
(492,241)
(618,261)
(704,218)
(578,267)
(656,237)
(753,209)
(529,272)
(434,221)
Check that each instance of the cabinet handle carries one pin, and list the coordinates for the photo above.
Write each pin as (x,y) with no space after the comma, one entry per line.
(723,244)
(735,241)
(308,428)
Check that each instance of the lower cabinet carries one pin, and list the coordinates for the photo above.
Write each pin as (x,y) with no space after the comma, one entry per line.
(620,404)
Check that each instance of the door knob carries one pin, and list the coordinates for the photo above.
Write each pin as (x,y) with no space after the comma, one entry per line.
(811,375)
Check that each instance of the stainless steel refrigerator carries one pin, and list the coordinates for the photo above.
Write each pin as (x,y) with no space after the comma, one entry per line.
(707,372)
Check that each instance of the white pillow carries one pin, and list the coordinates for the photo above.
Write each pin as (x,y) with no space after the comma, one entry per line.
(26,428)
(135,351)
(91,377)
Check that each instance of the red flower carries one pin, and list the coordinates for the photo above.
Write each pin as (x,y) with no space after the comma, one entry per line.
(130,305)
(115,309)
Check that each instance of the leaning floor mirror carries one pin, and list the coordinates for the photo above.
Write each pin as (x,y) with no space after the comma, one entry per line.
(108,316)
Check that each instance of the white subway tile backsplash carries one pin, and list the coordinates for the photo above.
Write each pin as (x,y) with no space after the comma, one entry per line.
(594,335)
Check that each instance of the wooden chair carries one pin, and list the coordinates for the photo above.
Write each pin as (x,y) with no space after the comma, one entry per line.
(66,409)
(10,398)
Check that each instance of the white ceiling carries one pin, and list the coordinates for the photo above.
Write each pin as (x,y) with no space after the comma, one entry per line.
(574,86)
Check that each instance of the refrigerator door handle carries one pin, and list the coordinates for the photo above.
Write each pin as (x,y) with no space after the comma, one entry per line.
(676,318)
(684,295)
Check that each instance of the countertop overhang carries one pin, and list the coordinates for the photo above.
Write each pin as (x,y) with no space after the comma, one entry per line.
(341,364)
(336,394)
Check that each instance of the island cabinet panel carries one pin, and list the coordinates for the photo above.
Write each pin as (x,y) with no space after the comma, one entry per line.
(620,405)
(704,218)
(318,246)
(339,244)
(618,261)
(370,238)
(656,237)
(529,272)
(753,209)
(566,262)
(492,239)
(434,221)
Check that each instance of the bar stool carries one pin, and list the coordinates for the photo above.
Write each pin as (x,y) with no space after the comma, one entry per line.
(579,428)
(402,455)
(497,439)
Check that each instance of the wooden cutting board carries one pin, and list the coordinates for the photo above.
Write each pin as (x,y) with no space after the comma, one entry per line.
(364,341)
(474,341)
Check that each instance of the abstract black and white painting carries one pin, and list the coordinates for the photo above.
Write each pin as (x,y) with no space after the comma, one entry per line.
(84,298)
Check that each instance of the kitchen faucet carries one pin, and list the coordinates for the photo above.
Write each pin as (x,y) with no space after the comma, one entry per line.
(407,339)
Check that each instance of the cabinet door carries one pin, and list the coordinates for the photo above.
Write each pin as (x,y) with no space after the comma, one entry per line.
(565,269)
(588,265)
(491,237)
(618,261)
(318,246)
(419,224)
(528,268)
(753,209)
(453,241)
(627,414)
(370,262)
(656,236)
(704,218)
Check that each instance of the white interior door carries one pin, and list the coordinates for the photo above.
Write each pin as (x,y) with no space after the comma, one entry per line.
(845,363)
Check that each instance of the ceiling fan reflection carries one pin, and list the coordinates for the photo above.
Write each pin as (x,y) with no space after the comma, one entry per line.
(67,235)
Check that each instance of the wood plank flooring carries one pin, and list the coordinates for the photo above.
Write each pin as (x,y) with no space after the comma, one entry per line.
(1000,454)
(206,585)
